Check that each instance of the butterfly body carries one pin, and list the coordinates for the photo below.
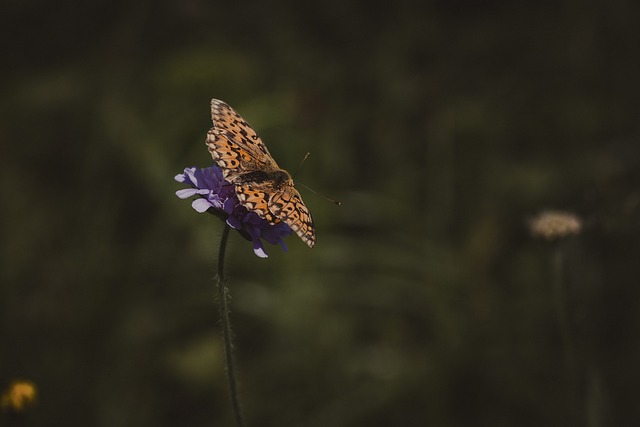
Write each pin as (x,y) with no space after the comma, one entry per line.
(276,178)
(261,185)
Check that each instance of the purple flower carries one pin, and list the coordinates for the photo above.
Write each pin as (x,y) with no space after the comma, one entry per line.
(219,197)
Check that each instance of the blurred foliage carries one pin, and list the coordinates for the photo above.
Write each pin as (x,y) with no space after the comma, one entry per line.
(441,126)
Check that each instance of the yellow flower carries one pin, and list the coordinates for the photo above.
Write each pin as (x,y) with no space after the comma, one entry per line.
(19,396)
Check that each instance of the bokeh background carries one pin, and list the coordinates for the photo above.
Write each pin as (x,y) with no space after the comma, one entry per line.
(443,127)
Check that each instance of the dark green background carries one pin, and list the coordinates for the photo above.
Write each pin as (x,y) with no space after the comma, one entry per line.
(441,126)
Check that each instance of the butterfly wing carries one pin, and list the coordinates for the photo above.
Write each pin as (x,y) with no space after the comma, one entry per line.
(255,197)
(234,145)
(288,206)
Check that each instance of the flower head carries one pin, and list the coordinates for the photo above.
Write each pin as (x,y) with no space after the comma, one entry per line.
(553,225)
(19,396)
(218,196)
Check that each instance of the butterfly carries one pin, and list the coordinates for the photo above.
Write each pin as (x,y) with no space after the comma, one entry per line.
(261,185)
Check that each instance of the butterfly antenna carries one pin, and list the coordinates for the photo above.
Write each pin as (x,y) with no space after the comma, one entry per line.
(313,191)
(300,165)
(321,195)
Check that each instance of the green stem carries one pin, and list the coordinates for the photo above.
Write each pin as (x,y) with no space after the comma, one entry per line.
(227,334)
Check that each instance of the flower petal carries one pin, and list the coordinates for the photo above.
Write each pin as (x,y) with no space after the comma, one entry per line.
(229,206)
(258,249)
(234,222)
(201,205)
(186,193)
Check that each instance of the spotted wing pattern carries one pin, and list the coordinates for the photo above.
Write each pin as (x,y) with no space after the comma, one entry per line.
(256,200)
(234,145)
(238,150)
(289,207)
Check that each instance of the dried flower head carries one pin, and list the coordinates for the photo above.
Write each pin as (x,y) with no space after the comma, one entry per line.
(553,225)
(19,396)
(219,197)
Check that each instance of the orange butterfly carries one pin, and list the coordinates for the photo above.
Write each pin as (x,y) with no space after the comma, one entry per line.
(261,185)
